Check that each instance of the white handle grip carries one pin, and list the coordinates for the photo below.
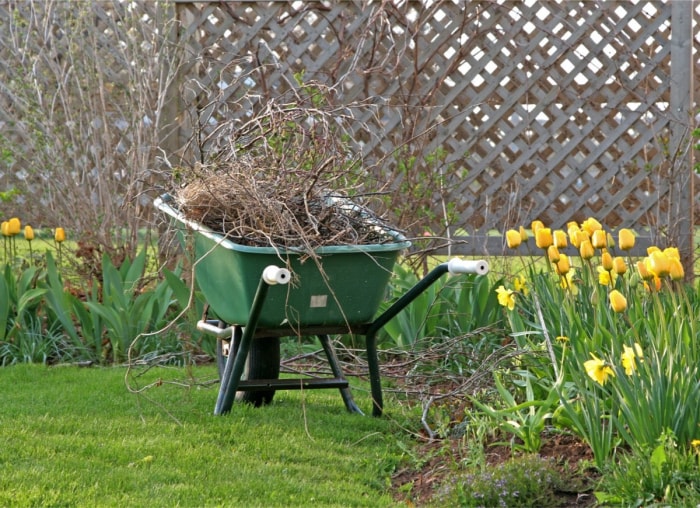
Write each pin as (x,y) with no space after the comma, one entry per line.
(478,267)
(276,275)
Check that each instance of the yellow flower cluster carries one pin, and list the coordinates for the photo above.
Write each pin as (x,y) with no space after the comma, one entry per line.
(600,371)
(13,227)
(590,237)
(660,264)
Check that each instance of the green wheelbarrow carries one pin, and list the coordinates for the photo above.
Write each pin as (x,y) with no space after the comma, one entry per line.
(260,294)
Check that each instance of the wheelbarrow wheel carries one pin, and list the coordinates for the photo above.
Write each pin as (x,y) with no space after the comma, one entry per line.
(263,363)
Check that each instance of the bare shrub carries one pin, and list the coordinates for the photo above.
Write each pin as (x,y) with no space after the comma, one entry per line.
(83,92)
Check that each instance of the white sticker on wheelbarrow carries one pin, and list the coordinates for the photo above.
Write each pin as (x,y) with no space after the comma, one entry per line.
(318,301)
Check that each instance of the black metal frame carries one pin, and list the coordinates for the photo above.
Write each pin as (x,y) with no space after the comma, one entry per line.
(231,379)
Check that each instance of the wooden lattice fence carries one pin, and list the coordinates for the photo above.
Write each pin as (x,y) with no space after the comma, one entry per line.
(519,110)
(486,113)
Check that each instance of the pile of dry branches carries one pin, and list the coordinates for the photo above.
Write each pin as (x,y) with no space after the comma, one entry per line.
(283,179)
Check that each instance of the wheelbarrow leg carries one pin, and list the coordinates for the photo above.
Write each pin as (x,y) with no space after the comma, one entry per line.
(375,380)
(338,373)
(236,363)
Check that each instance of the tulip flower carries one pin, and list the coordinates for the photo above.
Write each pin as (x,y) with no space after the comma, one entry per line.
(29,236)
(575,234)
(60,237)
(611,241)
(625,239)
(643,271)
(14,226)
(513,239)
(590,225)
(553,254)
(535,225)
(586,250)
(599,239)
(523,235)
(543,237)
(619,265)
(606,261)
(560,240)
(659,264)
(5,228)
(598,370)
(675,269)
(672,253)
(562,265)
(618,302)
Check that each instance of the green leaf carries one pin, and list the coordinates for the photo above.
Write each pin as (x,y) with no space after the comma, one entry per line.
(4,307)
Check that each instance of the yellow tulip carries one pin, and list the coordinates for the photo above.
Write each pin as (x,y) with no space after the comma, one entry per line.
(543,237)
(5,228)
(607,261)
(14,226)
(599,239)
(553,254)
(28,233)
(60,235)
(560,240)
(644,272)
(611,241)
(523,234)
(672,253)
(572,228)
(626,238)
(586,250)
(675,270)
(535,225)
(619,265)
(563,266)
(513,238)
(659,264)
(618,302)
(590,225)
(598,370)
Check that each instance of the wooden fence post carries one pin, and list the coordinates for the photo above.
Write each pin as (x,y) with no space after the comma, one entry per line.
(681,115)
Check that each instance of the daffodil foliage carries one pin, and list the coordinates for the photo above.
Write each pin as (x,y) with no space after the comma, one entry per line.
(616,335)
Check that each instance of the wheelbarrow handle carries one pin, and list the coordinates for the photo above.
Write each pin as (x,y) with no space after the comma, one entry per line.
(454,266)
(211,327)
(457,265)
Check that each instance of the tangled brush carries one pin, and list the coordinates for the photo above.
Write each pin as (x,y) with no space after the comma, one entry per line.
(283,179)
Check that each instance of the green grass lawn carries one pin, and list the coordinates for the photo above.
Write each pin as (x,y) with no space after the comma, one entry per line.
(77,437)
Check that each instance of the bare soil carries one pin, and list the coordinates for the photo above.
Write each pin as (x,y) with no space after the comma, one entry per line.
(571,457)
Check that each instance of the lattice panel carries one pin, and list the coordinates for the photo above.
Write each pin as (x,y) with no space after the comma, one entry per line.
(556,110)
(552,110)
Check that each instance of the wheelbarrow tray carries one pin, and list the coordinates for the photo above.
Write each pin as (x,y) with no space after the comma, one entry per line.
(339,286)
